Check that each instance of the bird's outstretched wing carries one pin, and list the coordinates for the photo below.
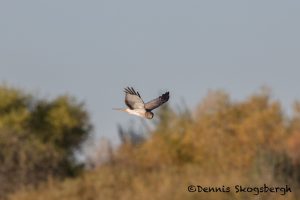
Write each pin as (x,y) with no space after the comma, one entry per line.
(133,99)
(157,102)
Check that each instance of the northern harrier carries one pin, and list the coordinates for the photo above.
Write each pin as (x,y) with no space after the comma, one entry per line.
(136,105)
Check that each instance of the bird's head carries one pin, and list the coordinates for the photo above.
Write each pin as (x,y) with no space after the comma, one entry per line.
(149,115)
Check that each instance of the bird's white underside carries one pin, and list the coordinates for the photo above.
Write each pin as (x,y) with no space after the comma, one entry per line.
(138,112)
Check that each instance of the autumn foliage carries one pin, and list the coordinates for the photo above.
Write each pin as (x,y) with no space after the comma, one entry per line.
(223,142)
(38,138)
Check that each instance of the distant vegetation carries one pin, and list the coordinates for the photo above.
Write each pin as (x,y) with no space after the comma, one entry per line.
(38,138)
(224,142)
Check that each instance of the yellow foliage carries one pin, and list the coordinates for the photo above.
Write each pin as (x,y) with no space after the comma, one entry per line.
(222,143)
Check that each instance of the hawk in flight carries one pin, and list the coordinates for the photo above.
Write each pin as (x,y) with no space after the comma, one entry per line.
(136,105)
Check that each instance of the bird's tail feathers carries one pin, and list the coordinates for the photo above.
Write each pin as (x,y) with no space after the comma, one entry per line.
(120,109)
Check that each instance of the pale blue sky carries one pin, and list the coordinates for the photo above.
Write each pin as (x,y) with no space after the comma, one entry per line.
(93,49)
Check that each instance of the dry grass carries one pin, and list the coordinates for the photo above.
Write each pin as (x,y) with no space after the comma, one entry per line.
(126,183)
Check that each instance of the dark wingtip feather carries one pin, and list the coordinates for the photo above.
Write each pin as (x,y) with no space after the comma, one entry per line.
(165,96)
(130,90)
(126,90)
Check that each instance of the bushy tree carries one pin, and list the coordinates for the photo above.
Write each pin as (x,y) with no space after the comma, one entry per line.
(38,137)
